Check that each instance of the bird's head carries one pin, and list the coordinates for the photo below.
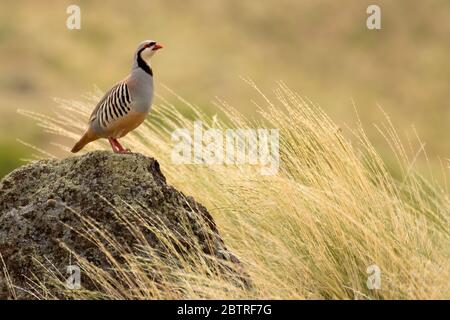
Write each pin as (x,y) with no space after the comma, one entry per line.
(147,49)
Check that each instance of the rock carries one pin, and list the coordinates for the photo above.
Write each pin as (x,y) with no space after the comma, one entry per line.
(41,206)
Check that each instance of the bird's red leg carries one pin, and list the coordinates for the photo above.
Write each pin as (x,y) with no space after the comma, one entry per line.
(113,145)
(119,147)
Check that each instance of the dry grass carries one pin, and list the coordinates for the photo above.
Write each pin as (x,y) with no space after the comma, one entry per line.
(310,231)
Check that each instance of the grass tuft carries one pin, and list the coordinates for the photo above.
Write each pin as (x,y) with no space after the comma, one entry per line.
(310,231)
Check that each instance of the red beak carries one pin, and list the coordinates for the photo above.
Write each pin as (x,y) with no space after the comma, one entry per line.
(157,46)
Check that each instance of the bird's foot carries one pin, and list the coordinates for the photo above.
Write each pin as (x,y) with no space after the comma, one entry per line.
(117,147)
(125,151)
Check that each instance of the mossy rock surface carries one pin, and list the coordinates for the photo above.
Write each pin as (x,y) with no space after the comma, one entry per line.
(41,205)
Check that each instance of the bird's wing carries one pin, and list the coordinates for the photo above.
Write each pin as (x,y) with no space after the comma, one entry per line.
(114,105)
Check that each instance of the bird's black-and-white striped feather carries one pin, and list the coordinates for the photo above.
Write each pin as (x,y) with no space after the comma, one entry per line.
(114,105)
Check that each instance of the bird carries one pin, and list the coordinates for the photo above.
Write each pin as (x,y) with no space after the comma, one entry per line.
(126,105)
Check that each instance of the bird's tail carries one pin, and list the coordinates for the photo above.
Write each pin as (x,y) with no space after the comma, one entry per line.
(85,139)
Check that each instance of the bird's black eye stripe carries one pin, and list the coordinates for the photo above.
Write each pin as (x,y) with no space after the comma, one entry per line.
(150,44)
(141,63)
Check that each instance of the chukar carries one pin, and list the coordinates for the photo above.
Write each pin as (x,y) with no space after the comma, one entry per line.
(125,106)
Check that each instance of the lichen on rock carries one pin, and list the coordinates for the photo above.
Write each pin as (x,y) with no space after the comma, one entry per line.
(43,206)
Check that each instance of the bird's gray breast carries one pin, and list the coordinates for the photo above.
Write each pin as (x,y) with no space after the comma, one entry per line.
(141,91)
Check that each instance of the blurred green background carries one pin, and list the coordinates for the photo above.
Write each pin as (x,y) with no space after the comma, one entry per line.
(320,48)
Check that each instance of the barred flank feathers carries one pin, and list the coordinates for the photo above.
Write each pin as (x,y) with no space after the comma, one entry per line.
(115,106)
